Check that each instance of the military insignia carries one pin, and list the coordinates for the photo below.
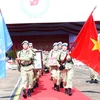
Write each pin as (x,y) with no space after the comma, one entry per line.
(34,8)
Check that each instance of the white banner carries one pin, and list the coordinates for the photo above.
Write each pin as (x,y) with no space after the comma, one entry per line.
(44,11)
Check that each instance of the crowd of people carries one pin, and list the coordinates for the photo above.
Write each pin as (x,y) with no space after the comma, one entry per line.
(57,62)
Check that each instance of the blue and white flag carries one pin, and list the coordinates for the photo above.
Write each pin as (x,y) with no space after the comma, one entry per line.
(5,45)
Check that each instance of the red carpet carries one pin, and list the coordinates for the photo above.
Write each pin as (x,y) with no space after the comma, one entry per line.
(45,91)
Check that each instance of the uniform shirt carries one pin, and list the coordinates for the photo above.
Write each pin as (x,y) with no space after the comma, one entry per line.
(62,55)
(68,63)
(34,54)
(26,55)
(53,54)
(45,59)
(60,50)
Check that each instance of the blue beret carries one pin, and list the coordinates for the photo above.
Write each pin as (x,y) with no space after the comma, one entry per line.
(30,44)
(65,44)
(25,42)
(55,44)
(60,43)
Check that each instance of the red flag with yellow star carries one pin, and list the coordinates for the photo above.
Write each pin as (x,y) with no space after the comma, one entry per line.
(87,48)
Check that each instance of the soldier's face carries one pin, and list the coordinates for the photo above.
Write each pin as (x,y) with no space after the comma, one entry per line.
(59,46)
(55,47)
(46,52)
(64,48)
(25,46)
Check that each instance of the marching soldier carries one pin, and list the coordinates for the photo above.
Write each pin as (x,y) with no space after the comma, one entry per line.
(60,50)
(31,47)
(45,60)
(25,57)
(60,46)
(35,76)
(66,70)
(53,64)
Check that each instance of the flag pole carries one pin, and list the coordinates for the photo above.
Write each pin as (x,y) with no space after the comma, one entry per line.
(74,41)
(93,9)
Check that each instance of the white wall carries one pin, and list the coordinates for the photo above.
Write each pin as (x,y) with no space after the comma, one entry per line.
(20,11)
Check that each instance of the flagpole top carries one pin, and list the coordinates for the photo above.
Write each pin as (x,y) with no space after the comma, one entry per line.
(94,9)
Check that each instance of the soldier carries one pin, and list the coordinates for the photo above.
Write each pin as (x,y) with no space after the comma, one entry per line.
(25,58)
(60,50)
(59,46)
(53,64)
(35,76)
(45,60)
(66,70)
(93,76)
(33,50)
(31,46)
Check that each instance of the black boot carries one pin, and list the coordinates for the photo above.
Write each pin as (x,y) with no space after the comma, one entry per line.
(24,93)
(69,91)
(32,90)
(92,81)
(61,85)
(29,92)
(57,88)
(95,81)
(37,84)
(34,86)
(66,91)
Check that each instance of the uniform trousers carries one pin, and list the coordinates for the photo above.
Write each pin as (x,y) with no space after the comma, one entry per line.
(27,76)
(67,77)
(93,74)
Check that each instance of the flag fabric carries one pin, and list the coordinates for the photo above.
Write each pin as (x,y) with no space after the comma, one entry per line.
(87,49)
(5,45)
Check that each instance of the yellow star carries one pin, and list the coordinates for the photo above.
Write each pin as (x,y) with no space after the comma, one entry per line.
(96,44)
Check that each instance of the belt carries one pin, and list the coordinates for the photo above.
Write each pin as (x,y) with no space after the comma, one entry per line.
(26,64)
